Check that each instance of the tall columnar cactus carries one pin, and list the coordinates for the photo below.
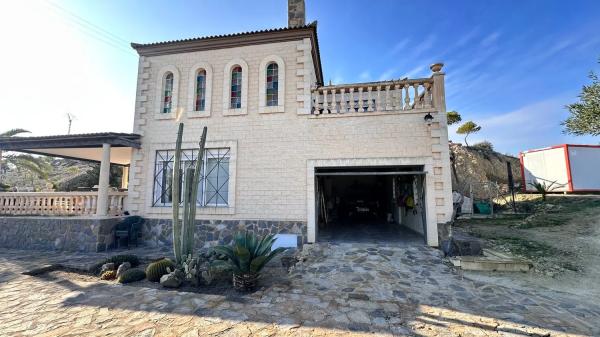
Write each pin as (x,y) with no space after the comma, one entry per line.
(183,230)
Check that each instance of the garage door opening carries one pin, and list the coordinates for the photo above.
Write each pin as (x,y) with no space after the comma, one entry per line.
(371,204)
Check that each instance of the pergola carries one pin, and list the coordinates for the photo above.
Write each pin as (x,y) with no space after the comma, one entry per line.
(105,148)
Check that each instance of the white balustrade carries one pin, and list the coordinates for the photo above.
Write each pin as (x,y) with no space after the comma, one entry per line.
(58,203)
(373,97)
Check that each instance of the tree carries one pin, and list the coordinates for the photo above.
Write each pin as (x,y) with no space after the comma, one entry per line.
(585,114)
(453,117)
(467,129)
(28,162)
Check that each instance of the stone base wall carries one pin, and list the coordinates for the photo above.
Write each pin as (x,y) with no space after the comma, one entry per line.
(209,233)
(57,233)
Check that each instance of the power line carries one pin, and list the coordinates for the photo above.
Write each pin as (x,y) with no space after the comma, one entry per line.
(92,30)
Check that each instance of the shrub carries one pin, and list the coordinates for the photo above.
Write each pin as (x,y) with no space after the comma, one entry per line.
(158,268)
(109,275)
(117,260)
(132,275)
(543,188)
(484,146)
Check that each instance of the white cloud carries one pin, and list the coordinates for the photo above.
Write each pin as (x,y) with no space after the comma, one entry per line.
(424,45)
(490,39)
(399,46)
(364,76)
(387,74)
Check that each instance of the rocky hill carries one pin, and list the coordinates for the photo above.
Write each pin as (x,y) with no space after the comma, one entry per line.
(479,165)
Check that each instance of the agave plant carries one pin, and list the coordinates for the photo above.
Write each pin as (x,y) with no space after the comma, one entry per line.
(543,188)
(247,256)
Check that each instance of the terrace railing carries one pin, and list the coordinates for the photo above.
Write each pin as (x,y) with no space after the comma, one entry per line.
(58,203)
(399,95)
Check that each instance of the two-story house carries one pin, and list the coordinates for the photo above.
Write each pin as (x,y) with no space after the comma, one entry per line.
(286,153)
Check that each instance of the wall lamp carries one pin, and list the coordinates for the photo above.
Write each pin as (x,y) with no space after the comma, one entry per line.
(428,119)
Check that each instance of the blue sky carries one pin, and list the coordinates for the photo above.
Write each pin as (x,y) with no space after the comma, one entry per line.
(511,65)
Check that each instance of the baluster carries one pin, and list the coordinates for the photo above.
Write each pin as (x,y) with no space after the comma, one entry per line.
(331,102)
(94,203)
(370,99)
(313,99)
(360,100)
(388,99)
(378,104)
(427,94)
(343,105)
(398,98)
(407,97)
(325,106)
(416,102)
(351,101)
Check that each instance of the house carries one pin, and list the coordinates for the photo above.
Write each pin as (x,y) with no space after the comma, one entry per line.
(286,153)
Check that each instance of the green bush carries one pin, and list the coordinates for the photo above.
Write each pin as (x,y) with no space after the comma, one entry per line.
(158,268)
(117,260)
(132,275)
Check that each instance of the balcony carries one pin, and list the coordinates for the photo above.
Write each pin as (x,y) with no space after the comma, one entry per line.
(407,95)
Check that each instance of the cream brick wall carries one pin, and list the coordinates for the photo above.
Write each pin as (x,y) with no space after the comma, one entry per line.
(272,150)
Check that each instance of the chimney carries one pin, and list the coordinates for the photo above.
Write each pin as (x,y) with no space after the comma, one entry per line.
(296,13)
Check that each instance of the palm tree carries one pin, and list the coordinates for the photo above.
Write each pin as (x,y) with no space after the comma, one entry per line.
(28,162)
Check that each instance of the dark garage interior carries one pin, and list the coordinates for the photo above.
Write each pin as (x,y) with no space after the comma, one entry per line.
(370,204)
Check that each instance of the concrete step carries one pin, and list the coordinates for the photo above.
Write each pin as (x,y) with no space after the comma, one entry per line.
(492,261)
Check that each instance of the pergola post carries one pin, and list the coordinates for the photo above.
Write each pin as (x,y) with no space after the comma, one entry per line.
(103,182)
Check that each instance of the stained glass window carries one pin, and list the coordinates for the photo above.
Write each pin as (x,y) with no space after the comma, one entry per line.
(236,88)
(213,188)
(200,90)
(167,93)
(272,84)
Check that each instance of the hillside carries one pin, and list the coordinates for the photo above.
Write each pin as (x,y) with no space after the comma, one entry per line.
(63,174)
(478,164)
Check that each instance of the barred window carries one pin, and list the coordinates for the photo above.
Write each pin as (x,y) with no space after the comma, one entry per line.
(167,93)
(236,88)
(213,189)
(200,90)
(272,84)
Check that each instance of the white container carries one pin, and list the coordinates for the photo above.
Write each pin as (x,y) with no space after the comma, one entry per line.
(574,168)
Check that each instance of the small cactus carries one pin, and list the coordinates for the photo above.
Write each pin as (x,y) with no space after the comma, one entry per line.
(159,268)
(109,275)
(132,275)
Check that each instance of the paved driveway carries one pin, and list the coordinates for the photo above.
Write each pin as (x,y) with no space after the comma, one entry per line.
(339,289)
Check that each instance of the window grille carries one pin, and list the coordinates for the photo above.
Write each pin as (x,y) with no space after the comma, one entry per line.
(213,189)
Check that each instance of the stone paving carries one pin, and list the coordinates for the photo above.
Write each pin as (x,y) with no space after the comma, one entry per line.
(337,289)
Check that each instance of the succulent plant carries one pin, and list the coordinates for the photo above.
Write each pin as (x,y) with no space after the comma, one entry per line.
(159,268)
(132,275)
(109,275)
(247,256)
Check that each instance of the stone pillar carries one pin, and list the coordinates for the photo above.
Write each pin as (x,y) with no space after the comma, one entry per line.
(125,177)
(103,182)
(296,13)
(439,92)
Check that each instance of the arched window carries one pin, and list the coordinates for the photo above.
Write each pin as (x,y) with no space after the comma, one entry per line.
(167,93)
(272,84)
(200,102)
(236,88)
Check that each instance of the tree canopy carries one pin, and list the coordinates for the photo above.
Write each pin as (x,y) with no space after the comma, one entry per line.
(453,117)
(585,114)
(468,128)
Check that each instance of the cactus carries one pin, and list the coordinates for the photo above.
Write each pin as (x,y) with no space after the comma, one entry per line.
(159,268)
(132,275)
(109,275)
(183,229)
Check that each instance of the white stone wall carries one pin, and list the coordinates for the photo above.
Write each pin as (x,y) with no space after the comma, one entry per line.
(271,151)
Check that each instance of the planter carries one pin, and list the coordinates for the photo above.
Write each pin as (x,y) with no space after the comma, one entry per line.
(245,282)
